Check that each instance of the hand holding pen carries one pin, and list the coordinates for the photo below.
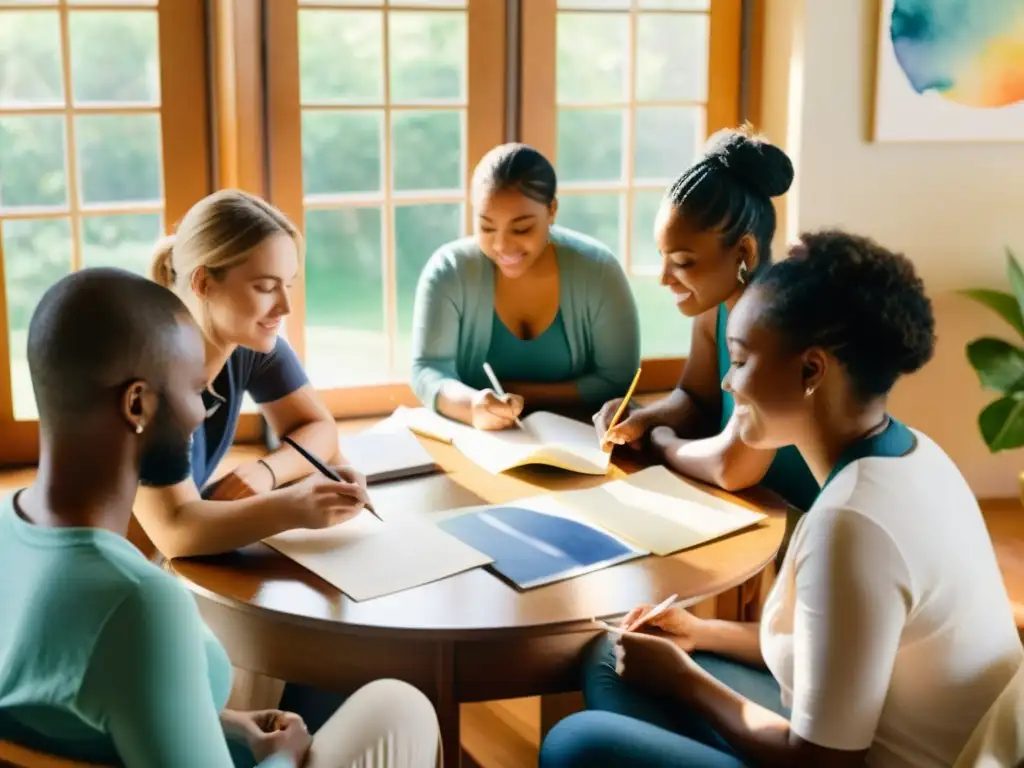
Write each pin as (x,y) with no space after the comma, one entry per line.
(494,409)
(352,487)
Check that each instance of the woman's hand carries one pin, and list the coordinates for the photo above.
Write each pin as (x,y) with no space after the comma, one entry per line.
(492,412)
(629,431)
(683,628)
(653,663)
(269,732)
(319,502)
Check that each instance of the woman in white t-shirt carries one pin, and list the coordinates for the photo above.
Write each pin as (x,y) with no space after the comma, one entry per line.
(888,633)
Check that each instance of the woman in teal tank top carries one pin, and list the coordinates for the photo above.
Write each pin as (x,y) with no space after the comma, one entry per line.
(714,232)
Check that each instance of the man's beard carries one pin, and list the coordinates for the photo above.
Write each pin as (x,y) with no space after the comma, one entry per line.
(167,459)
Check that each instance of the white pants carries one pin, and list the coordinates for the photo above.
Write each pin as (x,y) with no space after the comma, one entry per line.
(385,724)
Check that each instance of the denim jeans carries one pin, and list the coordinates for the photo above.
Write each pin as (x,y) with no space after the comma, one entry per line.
(625,726)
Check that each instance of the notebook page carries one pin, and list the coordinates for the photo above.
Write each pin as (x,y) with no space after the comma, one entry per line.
(657,511)
(570,436)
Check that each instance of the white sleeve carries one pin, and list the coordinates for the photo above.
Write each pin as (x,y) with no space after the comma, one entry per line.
(853,595)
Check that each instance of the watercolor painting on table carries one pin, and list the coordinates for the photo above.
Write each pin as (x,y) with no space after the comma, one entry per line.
(950,70)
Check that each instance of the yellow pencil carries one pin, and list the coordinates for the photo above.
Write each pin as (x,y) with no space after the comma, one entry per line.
(624,404)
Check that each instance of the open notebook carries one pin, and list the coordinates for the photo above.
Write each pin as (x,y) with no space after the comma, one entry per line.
(546,438)
(654,509)
(544,539)
(366,558)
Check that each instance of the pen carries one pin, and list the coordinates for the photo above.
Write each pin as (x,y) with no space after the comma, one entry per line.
(324,470)
(624,404)
(498,388)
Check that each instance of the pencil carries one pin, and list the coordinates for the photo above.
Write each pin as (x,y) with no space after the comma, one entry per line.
(498,388)
(625,403)
(324,470)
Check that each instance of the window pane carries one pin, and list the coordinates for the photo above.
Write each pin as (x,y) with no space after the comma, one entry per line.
(346,339)
(427,149)
(590,145)
(341,152)
(114,56)
(664,330)
(32,162)
(675,5)
(119,158)
(419,231)
(341,56)
(37,253)
(30,67)
(124,241)
(428,56)
(591,60)
(667,140)
(643,252)
(599,216)
(672,57)
(590,5)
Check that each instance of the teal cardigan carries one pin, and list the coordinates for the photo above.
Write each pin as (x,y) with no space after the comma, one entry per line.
(454,314)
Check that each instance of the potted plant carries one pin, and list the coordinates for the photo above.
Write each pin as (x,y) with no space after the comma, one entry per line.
(1000,365)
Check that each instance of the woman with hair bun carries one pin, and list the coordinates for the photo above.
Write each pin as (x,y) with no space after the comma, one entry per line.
(714,232)
(888,633)
(232,262)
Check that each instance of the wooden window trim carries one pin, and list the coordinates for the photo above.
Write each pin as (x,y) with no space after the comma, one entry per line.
(185,158)
(485,128)
(539,108)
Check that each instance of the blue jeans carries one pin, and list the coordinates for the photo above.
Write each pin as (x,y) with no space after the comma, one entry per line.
(625,726)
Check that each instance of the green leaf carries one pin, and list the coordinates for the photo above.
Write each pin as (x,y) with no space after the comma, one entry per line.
(1002,303)
(1002,424)
(1016,278)
(1000,365)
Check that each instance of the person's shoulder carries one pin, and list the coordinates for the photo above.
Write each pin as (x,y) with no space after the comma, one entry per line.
(455,256)
(586,251)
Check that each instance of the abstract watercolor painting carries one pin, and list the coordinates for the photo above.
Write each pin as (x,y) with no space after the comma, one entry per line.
(950,70)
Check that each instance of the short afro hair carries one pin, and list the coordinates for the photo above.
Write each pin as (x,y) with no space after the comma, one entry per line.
(863,303)
(95,331)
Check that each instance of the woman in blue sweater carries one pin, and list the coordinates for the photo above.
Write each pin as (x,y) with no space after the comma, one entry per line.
(549,309)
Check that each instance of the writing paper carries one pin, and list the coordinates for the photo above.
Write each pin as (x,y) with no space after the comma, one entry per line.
(366,558)
(655,510)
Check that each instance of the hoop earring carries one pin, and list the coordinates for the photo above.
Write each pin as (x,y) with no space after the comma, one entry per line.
(742,274)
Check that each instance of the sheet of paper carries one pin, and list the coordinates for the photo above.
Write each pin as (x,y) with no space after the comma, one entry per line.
(656,510)
(366,558)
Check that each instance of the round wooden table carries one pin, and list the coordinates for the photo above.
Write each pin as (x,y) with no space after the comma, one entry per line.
(471,637)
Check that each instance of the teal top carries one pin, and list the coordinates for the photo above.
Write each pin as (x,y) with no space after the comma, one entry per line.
(789,476)
(892,442)
(546,357)
(453,319)
(103,656)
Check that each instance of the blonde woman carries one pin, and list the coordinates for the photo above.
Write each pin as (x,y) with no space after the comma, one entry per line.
(232,262)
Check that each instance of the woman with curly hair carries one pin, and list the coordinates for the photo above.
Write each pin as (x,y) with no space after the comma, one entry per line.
(889,633)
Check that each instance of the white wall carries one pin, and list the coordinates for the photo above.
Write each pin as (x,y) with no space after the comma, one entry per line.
(951,207)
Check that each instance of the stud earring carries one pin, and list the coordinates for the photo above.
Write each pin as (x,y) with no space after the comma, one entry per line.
(742,274)
(809,391)
(138,429)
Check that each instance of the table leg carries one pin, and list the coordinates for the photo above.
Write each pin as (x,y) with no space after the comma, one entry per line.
(557,706)
(447,706)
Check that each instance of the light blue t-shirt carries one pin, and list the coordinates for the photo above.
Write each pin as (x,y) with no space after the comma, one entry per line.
(103,656)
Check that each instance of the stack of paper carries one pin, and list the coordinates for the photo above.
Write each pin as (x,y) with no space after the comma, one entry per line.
(387,454)
(366,558)
(546,438)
